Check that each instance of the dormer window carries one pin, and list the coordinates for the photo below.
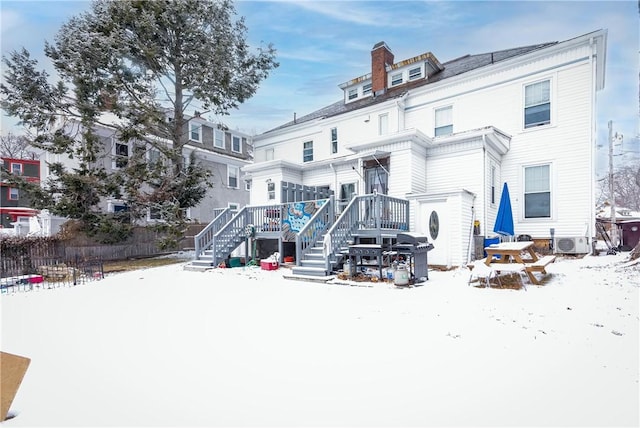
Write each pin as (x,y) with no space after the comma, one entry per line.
(396,79)
(353,93)
(194,134)
(366,89)
(415,73)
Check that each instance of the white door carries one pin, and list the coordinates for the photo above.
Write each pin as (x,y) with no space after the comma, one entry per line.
(433,222)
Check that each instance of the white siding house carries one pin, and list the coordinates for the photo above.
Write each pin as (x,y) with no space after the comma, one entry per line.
(446,136)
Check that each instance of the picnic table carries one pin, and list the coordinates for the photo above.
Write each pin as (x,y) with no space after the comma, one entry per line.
(508,256)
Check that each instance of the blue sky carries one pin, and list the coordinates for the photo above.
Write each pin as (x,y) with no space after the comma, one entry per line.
(321,44)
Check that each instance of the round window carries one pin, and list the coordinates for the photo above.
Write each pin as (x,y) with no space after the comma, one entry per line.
(434,225)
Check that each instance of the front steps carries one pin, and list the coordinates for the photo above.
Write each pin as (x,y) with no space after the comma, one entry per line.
(202,264)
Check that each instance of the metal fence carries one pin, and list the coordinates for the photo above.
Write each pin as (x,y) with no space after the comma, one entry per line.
(18,274)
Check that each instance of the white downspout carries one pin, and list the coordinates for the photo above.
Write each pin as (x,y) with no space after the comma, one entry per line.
(483,225)
(471,240)
(593,137)
(335,185)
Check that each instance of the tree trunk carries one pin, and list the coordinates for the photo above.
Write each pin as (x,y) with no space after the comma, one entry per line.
(635,253)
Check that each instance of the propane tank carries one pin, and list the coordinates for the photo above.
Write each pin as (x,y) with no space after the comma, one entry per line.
(401,275)
(347,267)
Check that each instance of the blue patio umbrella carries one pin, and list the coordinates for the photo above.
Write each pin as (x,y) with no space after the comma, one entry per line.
(504,219)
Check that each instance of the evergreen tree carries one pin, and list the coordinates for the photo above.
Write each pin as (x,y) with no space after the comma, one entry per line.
(129,65)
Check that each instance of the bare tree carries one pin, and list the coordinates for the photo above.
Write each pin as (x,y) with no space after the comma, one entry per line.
(626,187)
(16,147)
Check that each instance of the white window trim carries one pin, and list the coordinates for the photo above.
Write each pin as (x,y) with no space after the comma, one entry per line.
(304,149)
(10,193)
(247,185)
(493,184)
(21,167)
(269,154)
(352,94)
(552,192)
(114,143)
(217,132)
(383,119)
(199,128)
(365,91)
(113,202)
(271,194)
(435,124)
(418,76)
(392,79)
(239,143)
(334,143)
(552,101)
(234,206)
(231,168)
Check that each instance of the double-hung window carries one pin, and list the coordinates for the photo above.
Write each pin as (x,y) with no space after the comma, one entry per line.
(366,89)
(396,79)
(493,184)
(16,168)
(271,190)
(353,93)
(14,194)
(195,132)
(383,124)
(537,104)
(443,121)
(537,191)
(121,155)
(218,139)
(415,73)
(233,176)
(235,144)
(334,140)
(307,151)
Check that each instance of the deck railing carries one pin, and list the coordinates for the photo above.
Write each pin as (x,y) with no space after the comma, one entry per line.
(375,213)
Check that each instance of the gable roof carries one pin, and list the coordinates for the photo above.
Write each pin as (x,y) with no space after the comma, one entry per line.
(452,68)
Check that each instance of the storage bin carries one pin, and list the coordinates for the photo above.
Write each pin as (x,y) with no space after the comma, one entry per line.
(235,262)
(268,264)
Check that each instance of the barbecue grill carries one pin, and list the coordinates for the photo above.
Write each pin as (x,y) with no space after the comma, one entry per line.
(414,247)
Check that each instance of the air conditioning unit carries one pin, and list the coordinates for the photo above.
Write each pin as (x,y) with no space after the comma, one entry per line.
(577,245)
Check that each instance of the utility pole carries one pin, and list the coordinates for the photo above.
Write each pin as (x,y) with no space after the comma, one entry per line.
(612,198)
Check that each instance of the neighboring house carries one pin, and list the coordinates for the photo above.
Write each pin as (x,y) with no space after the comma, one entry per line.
(627,223)
(221,151)
(15,207)
(445,136)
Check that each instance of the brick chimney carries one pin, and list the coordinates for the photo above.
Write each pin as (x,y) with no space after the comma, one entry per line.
(381,56)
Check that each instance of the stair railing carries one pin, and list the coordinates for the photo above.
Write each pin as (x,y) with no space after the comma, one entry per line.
(340,232)
(204,240)
(230,235)
(314,229)
(373,211)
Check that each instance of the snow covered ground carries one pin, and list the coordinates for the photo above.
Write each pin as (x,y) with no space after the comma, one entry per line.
(245,347)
